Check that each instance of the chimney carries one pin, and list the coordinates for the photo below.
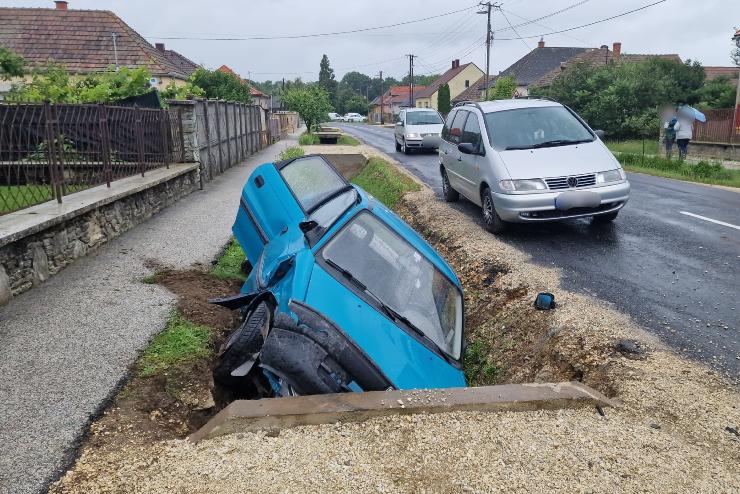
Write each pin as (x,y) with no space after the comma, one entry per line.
(60,5)
(616,51)
(159,46)
(456,63)
(541,43)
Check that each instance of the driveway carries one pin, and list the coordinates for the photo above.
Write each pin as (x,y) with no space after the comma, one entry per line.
(671,260)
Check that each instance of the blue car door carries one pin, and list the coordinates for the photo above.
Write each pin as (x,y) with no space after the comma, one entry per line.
(279,196)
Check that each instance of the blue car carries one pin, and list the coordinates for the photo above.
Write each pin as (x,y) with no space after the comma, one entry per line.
(343,295)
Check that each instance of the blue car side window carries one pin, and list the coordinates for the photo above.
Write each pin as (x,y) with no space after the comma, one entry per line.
(312,180)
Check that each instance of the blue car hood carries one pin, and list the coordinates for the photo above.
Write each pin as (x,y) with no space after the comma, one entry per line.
(403,359)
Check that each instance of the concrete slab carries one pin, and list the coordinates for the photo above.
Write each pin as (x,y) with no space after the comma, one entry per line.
(32,220)
(282,413)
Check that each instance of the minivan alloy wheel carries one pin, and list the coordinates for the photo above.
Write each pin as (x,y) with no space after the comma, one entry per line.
(492,220)
(450,194)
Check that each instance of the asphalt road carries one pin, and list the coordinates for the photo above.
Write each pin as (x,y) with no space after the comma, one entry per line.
(677,275)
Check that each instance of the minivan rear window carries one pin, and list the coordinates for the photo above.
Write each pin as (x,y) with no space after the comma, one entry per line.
(534,127)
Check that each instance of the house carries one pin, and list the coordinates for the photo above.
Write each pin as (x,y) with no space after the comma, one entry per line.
(543,64)
(395,98)
(258,97)
(711,73)
(458,78)
(84,41)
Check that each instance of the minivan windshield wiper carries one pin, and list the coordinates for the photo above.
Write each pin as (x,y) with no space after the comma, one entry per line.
(550,144)
(390,312)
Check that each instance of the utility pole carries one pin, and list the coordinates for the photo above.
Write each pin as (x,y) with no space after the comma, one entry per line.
(735,110)
(381,98)
(486,8)
(411,80)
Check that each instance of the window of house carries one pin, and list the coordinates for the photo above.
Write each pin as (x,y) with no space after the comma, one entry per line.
(467,83)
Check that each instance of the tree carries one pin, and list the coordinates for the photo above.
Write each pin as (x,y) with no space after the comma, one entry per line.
(11,65)
(735,53)
(222,85)
(312,104)
(420,80)
(182,92)
(327,80)
(358,82)
(718,93)
(53,83)
(443,99)
(503,89)
(623,99)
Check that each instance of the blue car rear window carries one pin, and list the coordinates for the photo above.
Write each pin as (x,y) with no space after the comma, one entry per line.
(312,180)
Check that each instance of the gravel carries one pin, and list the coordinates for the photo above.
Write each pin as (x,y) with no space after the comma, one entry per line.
(669,435)
(67,344)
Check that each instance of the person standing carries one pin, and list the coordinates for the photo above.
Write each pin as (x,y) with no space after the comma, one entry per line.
(669,135)
(684,130)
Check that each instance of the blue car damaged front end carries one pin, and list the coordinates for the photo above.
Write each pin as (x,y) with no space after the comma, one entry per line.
(343,295)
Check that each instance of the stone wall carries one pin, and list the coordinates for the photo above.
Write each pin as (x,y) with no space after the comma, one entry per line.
(714,150)
(31,260)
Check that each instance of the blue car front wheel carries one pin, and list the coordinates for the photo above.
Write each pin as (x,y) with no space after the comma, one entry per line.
(242,343)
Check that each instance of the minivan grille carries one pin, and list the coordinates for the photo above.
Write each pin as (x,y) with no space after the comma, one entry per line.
(571,182)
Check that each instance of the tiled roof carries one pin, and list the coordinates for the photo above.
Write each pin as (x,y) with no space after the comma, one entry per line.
(180,61)
(398,95)
(711,73)
(538,62)
(597,57)
(443,79)
(81,40)
(474,91)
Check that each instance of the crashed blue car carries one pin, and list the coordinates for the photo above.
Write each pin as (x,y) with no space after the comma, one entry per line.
(343,295)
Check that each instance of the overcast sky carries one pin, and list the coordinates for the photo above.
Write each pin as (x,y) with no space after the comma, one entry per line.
(696,29)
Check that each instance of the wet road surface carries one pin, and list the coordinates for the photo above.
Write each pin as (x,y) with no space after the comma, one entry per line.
(671,259)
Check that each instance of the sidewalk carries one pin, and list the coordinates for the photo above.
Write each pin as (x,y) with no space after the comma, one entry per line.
(66,345)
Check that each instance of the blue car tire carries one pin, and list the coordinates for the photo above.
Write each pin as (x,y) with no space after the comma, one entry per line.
(242,343)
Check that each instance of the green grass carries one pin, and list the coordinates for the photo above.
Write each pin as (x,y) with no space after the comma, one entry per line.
(308,139)
(702,172)
(634,146)
(345,140)
(384,181)
(13,197)
(479,370)
(229,264)
(150,279)
(181,341)
(291,153)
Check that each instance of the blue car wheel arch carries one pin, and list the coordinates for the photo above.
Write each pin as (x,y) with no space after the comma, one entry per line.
(325,337)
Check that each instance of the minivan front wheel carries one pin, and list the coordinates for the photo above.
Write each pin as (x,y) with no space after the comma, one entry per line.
(491,219)
(450,194)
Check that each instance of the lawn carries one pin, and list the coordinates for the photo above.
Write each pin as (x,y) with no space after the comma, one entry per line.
(180,342)
(229,264)
(13,197)
(702,172)
(384,181)
(634,146)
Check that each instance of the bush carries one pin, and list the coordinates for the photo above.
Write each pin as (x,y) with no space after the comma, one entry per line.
(308,139)
(291,153)
(702,171)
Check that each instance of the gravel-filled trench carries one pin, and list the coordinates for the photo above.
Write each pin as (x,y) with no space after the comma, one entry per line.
(676,431)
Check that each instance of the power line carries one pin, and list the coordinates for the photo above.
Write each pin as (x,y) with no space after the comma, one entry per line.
(318,35)
(532,21)
(515,31)
(551,14)
(585,25)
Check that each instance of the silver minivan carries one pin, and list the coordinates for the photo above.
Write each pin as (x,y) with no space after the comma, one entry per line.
(527,161)
(418,128)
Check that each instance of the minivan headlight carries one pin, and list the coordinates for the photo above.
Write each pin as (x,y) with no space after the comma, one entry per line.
(412,136)
(522,185)
(610,176)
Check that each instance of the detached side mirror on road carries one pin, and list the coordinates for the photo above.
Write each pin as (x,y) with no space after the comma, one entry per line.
(600,134)
(466,148)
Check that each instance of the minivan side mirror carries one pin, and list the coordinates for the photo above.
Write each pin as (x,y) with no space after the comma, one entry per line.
(600,134)
(467,148)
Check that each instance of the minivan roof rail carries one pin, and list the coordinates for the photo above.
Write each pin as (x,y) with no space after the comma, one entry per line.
(468,102)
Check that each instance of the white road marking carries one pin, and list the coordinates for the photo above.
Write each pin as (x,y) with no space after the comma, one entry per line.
(710,220)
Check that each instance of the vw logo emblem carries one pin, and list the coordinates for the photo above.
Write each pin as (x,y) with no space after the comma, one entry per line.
(572,182)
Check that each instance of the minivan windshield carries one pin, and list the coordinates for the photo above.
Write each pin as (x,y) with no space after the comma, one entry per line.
(423,118)
(401,278)
(535,127)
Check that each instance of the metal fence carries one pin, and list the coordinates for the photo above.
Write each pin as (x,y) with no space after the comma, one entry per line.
(49,151)
(718,127)
(228,132)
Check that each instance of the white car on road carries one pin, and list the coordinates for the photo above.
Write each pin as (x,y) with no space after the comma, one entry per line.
(529,161)
(335,117)
(418,128)
(354,117)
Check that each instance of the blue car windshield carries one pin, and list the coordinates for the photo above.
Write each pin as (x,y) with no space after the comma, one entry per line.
(312,180)
(401,277)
